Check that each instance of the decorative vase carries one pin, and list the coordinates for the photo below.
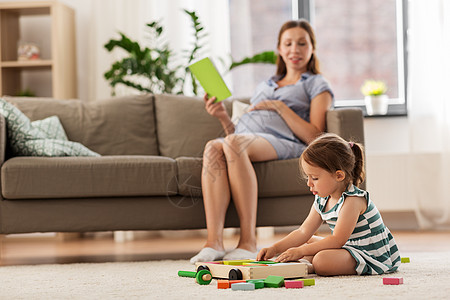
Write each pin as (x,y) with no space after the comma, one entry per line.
(376,105)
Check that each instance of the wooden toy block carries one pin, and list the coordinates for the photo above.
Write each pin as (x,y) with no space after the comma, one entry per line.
(238,262)
(243,286)
(393,280)
(259,271)
(293,284)
(236,281)
(223,284)
(259,283)
(404,259)
(274,281)
(307,281)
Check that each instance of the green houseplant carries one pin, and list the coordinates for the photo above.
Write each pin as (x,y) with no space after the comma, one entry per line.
(147,69)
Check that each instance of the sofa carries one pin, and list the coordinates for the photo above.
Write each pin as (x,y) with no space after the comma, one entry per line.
(148,174)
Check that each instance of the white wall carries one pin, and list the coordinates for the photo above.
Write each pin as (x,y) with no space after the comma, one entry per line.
(98,21)
(387,154)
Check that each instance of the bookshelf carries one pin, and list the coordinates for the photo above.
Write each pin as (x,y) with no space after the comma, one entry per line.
(52,28)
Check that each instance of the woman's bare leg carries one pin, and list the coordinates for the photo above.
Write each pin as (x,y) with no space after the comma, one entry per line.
(240,151)
(216,192)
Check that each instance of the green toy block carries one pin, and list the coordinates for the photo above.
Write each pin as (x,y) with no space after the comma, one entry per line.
(274,281)
(405,260)
(259,283)
(307,281)
(267,262)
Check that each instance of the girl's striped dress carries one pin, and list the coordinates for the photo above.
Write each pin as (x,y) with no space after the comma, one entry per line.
(371,242)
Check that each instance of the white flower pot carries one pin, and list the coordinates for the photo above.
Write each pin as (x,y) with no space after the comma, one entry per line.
(376,105)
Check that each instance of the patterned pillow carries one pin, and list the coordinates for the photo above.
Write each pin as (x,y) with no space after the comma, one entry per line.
(52,128)
(39,138)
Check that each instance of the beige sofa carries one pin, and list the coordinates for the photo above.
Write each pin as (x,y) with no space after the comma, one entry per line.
(148,176)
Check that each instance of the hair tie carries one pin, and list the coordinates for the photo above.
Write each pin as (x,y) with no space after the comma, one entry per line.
(351,144)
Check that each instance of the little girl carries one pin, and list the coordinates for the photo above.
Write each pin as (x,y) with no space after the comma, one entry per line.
(360,242)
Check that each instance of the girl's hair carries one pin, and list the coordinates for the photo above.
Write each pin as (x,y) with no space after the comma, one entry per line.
(313,64)
(332,153)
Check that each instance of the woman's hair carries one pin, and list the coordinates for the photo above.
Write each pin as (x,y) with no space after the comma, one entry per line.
(332,153)
(313,64)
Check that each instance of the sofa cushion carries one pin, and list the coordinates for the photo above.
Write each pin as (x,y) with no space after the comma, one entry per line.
(116,126)
(75,177)
(39,138)
(183,125)
(277,178)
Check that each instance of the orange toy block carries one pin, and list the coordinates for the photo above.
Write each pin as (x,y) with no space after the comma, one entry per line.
(223,284)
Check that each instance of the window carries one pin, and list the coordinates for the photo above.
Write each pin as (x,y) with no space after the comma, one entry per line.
(254,29)
(360,40)
(356,40)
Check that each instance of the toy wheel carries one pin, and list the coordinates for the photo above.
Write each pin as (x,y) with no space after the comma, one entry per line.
(235,274)
(203,277)
(202,267)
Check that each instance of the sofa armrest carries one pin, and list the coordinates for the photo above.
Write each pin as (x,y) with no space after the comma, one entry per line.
(347,123)
(2,139)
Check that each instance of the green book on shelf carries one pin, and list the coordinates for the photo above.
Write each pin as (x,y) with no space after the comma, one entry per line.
(210,79)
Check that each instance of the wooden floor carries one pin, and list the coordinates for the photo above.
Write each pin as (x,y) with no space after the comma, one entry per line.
(101,247)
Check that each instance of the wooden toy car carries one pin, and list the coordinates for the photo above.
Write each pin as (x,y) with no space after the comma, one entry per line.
(251,269)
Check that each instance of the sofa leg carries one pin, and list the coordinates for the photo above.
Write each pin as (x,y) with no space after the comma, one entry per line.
(1,245)
(265,232)
(68,236)
(123,236)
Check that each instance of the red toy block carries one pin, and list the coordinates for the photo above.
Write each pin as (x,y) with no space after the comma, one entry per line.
(223,284)
(236,281)
(293,284)
(393,280)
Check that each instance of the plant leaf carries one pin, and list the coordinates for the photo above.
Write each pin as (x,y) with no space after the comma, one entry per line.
(266,57)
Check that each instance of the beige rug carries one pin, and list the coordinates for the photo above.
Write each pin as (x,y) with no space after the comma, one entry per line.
(426,277)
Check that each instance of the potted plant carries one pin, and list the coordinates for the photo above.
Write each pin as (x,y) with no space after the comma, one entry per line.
(147,69)
(375,97)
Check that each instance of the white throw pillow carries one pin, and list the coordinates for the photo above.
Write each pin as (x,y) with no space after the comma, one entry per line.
(238,109)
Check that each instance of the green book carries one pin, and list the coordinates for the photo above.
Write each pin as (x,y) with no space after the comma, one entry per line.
(210,79)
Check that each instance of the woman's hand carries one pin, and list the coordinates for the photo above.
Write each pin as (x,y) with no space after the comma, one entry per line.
(218,110)
(292,254)
(266,253)
(215,109)
(274,105)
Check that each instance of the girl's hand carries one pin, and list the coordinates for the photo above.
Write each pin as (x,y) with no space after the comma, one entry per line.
(292,254)
(266,253)
(274,105)
(215,109)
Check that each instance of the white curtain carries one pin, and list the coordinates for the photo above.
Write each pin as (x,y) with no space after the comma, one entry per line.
(429,112)
(130,17)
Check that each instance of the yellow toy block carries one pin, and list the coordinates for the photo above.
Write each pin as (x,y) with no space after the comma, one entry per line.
(307,281)
(238,262)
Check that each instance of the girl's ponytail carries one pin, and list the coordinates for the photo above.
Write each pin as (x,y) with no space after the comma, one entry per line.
(358,173)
